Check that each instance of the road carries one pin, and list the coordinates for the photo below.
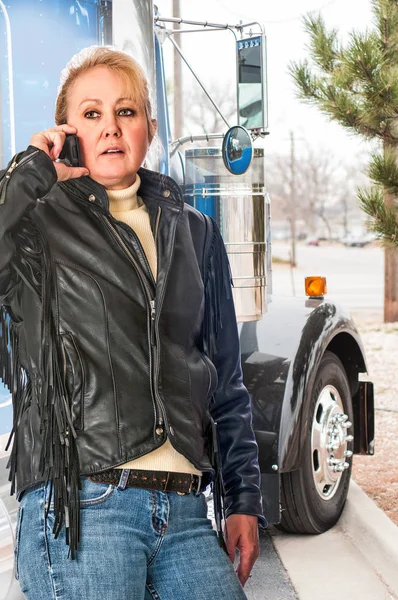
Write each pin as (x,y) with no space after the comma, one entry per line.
(355,276)
(269,580)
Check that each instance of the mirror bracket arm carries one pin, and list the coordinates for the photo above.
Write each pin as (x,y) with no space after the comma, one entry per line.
(194,138)
(176,46)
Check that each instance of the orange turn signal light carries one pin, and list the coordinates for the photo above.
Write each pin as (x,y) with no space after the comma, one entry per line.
(315,286)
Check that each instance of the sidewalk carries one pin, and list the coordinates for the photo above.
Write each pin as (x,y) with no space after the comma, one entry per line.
(358,558)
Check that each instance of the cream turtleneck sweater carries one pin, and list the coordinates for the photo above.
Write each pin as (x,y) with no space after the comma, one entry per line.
(125,205)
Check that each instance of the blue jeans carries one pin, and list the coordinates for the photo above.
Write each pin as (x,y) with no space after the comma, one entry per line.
(135,545)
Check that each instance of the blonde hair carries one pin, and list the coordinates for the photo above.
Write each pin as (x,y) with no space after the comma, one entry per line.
(119,62)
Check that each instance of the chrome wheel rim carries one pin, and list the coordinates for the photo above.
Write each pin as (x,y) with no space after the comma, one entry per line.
(329,442)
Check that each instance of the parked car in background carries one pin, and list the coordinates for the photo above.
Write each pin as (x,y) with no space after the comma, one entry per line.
(357,241)
(313,241)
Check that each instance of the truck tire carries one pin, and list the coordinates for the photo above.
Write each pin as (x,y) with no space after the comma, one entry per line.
(313,497)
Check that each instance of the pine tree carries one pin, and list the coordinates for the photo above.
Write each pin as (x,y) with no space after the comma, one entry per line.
(357,86)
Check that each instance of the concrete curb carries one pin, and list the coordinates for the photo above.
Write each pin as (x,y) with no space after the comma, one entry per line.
(357,558)
(372,533)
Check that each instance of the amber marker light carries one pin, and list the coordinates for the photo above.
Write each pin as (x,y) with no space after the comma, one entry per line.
(315,287)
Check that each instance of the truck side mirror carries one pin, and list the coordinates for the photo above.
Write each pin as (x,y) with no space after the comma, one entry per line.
(252,83)
(237,150)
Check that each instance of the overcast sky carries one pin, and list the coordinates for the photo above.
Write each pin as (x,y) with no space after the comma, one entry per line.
(212,55)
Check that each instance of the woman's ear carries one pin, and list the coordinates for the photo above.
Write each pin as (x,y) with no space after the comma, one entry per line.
(153,129)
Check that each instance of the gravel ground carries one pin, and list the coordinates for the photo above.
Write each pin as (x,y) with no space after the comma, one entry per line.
(378,475)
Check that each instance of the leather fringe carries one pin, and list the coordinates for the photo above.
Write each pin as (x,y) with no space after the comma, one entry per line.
(59,461)
(217,488)
(15,378)
(217,281)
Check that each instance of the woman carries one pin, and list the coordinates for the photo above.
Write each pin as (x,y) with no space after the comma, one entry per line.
(117,305)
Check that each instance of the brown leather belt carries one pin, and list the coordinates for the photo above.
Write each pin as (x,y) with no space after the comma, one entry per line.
(182,483)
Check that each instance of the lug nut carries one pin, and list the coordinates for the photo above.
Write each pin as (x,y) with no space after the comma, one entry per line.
(348,453)
(346,425)
(349,438)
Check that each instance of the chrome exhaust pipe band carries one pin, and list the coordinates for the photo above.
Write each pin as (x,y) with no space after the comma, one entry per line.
(238,204)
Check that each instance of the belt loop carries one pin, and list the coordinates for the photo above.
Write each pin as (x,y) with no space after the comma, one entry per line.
(198,492)
(123,479)
(166,483)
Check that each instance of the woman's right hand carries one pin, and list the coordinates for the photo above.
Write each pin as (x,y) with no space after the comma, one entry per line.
(51,142)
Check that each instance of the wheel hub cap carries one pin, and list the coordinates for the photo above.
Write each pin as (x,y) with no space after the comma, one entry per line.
(329,442)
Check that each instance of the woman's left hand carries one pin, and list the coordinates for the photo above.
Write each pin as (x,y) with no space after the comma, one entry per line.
(241,533)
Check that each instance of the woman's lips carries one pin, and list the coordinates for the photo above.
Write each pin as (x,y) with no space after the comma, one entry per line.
(113,150)
(118,153)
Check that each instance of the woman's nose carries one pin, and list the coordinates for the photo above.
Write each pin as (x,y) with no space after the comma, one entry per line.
(111,128)
(112,132)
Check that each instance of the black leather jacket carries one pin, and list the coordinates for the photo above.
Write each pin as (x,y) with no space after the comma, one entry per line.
(106,360)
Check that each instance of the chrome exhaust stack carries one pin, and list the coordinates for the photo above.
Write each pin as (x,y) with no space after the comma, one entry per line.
(239,205)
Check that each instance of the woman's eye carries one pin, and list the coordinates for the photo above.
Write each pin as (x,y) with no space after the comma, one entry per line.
(126,112)
(91,114)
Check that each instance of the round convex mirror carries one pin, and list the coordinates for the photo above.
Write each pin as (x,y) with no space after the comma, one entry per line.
(237,150)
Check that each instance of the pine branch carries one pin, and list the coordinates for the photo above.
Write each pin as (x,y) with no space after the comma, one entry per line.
(386,21)
(381,95)
(383,170)
(355,86)
(307,84)
(383,219)
(362,57)
(337,104)
(324,49)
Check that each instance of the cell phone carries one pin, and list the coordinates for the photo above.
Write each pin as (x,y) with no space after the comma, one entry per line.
(70,153)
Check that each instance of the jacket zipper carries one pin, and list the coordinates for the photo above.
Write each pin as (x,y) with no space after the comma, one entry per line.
(160,416)
(153,308)
(160,300)
(157,225)
(14,165)
(144,257)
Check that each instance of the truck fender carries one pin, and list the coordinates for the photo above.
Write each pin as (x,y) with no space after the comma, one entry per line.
(280,357)
(327,328)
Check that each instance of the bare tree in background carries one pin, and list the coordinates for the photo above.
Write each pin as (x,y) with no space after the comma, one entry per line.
(317,176)
(325,189)
(352,177)
(278,180)
(199,114)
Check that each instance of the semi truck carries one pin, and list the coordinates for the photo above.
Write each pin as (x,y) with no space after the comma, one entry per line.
(302,358)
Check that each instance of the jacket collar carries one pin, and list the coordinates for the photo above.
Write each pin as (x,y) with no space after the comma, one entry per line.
(155,189)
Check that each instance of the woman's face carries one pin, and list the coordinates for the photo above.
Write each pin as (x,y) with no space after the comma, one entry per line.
(112,129)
